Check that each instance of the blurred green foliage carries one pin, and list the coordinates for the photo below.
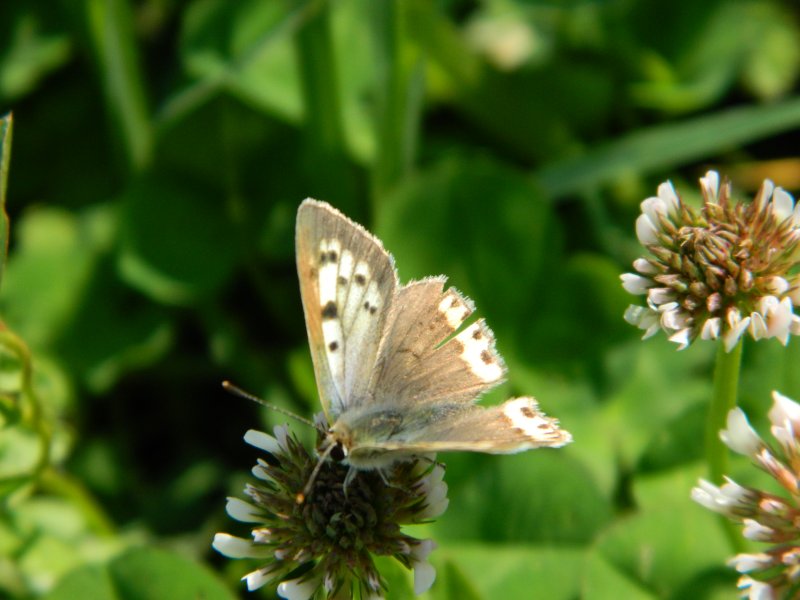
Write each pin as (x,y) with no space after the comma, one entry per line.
(160,151)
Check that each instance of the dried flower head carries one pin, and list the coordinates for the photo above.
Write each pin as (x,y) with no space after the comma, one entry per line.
(766,517)
(328,540)
(720,271)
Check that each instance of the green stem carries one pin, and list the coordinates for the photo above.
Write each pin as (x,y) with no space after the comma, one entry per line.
(109,25)
(6,127)
(318,72)
(64,486)
(330,175)
(399,98)
(32,407)
(726,384)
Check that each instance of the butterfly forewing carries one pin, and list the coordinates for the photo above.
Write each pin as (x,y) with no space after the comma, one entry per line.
(347,282)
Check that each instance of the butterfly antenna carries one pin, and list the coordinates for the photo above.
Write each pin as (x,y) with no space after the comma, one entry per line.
(233,389)
(301,497)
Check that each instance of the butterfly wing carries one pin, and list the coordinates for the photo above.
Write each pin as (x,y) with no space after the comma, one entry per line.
(347,282)
(429,373)
(514,426)
(422,361)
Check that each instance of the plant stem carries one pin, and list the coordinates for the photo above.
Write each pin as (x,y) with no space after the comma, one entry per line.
(726,384)
(329,174)
(400,88)
(109,25)
(320,86)
(65,486)
(6,127)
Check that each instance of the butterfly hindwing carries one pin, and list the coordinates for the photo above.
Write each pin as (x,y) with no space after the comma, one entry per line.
(421,360)
(514,426)
(347,282)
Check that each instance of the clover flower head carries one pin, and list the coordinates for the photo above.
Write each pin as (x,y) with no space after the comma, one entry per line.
(720,272)
(327,541)
(766,517)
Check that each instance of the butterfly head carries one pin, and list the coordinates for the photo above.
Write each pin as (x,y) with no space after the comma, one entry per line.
(336,442)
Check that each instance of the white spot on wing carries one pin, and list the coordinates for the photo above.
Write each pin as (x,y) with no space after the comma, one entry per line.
(328,271)
(455,310)
(352,304)
(372,296)
(478,353)
(332,332)
(526,417)
(358,323)
(362,269)
(346,265)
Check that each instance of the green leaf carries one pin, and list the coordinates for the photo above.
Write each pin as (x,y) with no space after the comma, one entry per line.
(137,334)
(670,541)
(541,497)
(53,536)
(62,283)
(31,47)
(602,581)
(534,112)
(486,227)
(652,384)
(6,128)
(142,574)
(177,245)
(47,275)
(20,450)
(677,442)
(399,580)
(246,49)
(728,40)
(452,583)
(516,571)
(92,581)
(221,40)
(773,65)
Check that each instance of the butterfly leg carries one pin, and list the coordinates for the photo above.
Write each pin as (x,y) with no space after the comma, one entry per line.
(351,474)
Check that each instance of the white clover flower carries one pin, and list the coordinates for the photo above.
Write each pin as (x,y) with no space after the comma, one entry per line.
(718,273)
(766,517)
(740,436)
(338,533)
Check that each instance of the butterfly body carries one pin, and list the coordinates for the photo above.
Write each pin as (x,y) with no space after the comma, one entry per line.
(398,370)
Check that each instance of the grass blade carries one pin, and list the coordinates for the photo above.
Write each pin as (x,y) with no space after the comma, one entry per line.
(6,127)
(110,29)
(663,147)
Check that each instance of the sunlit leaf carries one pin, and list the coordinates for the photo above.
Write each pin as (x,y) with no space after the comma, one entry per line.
(142,574)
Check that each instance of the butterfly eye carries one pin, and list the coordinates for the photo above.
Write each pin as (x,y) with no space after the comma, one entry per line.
(338,453)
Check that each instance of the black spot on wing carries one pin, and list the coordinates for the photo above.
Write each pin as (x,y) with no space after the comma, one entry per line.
(333,346)
(329,311)
(360,279)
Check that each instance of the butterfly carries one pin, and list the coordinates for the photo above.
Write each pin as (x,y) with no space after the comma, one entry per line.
(398,371)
